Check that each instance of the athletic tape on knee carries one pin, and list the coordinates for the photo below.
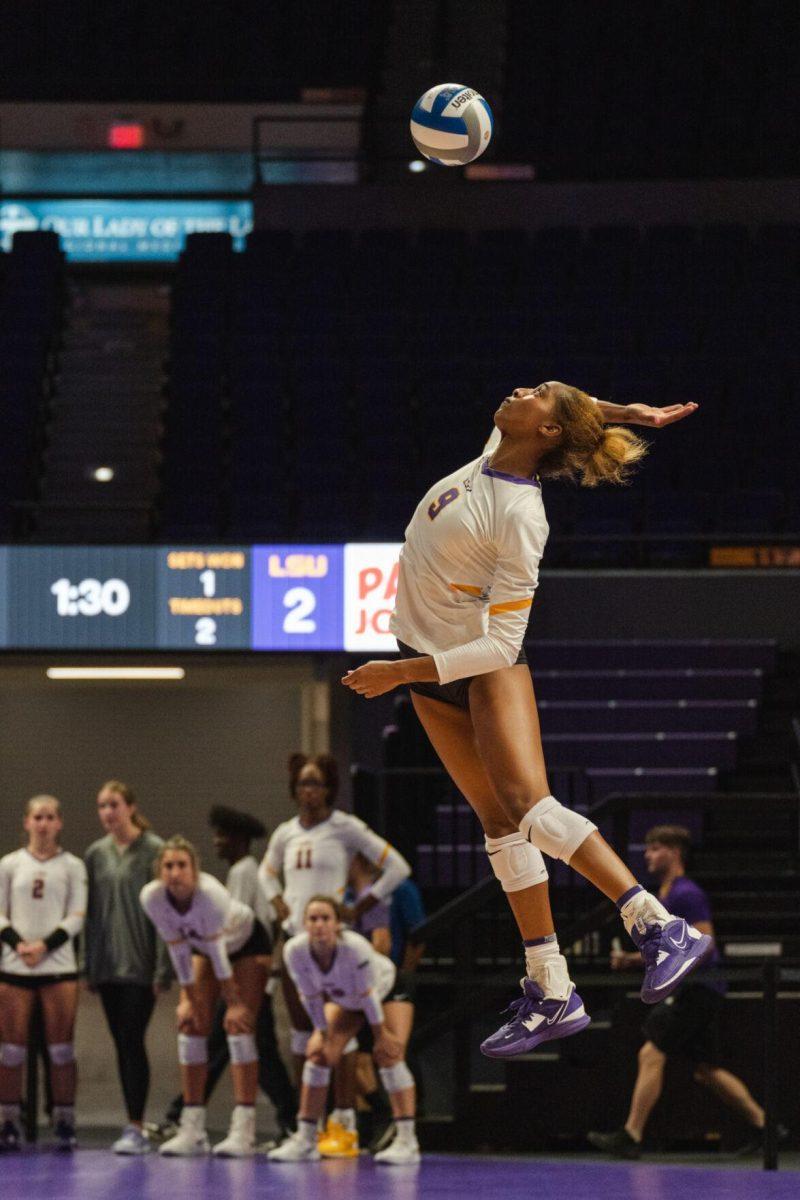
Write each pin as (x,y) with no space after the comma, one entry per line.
(242,1048)
(314,1076)
(11,1055)
(396,1078)
(61,1053)
(192,1051)
(515,862)
(556,830)
(351,1046)
(299,1041)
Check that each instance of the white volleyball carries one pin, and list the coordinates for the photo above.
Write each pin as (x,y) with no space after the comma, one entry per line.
(451,124)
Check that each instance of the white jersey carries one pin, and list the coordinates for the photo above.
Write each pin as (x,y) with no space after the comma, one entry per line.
(316,861)
(214,924)
(243,883)
(358,978)
(469,568)
(38,896)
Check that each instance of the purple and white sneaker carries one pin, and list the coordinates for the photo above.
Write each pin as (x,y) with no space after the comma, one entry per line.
(670,953)
(536,1020)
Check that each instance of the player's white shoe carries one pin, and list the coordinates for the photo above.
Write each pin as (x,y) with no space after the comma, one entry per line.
(296,1148)
(241,1139)
(191,1140)
(402,1152)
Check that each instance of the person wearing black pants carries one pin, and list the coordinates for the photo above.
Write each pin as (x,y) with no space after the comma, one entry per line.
(233,833)
(126,963)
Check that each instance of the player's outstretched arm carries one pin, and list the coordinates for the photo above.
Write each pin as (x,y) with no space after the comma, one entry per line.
(644,414)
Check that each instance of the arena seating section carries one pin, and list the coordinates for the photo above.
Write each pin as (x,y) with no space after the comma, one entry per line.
(31,302)
(342,376)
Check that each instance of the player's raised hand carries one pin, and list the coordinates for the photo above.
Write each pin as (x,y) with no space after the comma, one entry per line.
(656,418)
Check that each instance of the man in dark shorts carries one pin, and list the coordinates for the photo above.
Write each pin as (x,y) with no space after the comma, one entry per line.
(688,1022)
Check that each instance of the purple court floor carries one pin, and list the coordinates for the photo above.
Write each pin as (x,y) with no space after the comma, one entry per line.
(99,1175)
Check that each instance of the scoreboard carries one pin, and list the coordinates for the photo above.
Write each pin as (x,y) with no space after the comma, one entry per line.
(278,597)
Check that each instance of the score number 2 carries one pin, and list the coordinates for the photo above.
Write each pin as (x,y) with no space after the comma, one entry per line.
(301,603)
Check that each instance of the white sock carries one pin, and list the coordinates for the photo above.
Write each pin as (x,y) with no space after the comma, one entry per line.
(643,909)
(406,1129)
(10,1112)
(346,1117)
(65,1113)
(546,965)
(307,1131)
(194,1116)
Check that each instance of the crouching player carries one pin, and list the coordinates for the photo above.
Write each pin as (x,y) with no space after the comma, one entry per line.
(217,946)
(341,981)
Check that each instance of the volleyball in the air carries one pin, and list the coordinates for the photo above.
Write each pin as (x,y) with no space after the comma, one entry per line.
(451,124)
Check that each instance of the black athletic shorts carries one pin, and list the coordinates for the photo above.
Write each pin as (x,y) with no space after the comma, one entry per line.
(259,943)
(687,1024)
(403,991)
(457,692)
(34,982)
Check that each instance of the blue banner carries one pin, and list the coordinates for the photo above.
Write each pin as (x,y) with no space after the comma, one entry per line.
(126,230)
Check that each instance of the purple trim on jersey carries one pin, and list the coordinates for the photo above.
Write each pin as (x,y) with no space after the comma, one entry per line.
(626,896)
(487,470)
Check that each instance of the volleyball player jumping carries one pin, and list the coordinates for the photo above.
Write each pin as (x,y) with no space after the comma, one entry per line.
(42,909)
(468,571)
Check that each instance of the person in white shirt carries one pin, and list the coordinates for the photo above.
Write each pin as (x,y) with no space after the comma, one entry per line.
(468,572)
(310,855)
(342,981)
(233,834)
(218,947)
(42,909)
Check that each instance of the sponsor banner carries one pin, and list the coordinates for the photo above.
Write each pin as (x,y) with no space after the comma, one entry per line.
(370,588)
(125,230)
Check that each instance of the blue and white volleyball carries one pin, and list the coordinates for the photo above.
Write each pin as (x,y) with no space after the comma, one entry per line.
(451,124)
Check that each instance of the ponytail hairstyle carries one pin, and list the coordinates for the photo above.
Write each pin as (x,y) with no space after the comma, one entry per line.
(326,765)
(127,794)
(588,451)
(177,842)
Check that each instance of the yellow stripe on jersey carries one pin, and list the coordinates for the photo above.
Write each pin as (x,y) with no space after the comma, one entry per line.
(509,606)
(382,858)
(469,588)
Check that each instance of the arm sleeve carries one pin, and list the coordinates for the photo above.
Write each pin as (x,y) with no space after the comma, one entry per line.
(77,897)
(272,866)
(516,576)
(394,868)
(217,952)
(5,897)
(313,1002)
(315,1007)
(215,900)
(370,1002)
(180,954)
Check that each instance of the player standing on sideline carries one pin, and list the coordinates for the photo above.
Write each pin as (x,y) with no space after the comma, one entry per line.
(233,833)
(468,571)
(217,945)
(125,962)
(689,1023)
(310,855)
(341,981)
(42,909)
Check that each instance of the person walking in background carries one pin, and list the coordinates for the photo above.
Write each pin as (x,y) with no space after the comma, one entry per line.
(310,854)
(687,1023)
(124,961)
(234,831)
(42,910)
(219,950)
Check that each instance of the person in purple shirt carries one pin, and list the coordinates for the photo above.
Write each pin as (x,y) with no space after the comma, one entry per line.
(688,1022)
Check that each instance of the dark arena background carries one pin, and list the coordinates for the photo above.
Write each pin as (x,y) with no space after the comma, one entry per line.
(244,327)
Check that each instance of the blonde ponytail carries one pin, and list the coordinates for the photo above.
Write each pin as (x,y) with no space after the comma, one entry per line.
(588,451)
(614,458)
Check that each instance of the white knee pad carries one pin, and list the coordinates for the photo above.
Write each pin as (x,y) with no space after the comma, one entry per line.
(351,1046)
(242,1048)
(515,862)
(299,1041)
(315,1076)
(61,1053)
(11,1055)
(192,1051)
(396,1078)
(556,830)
